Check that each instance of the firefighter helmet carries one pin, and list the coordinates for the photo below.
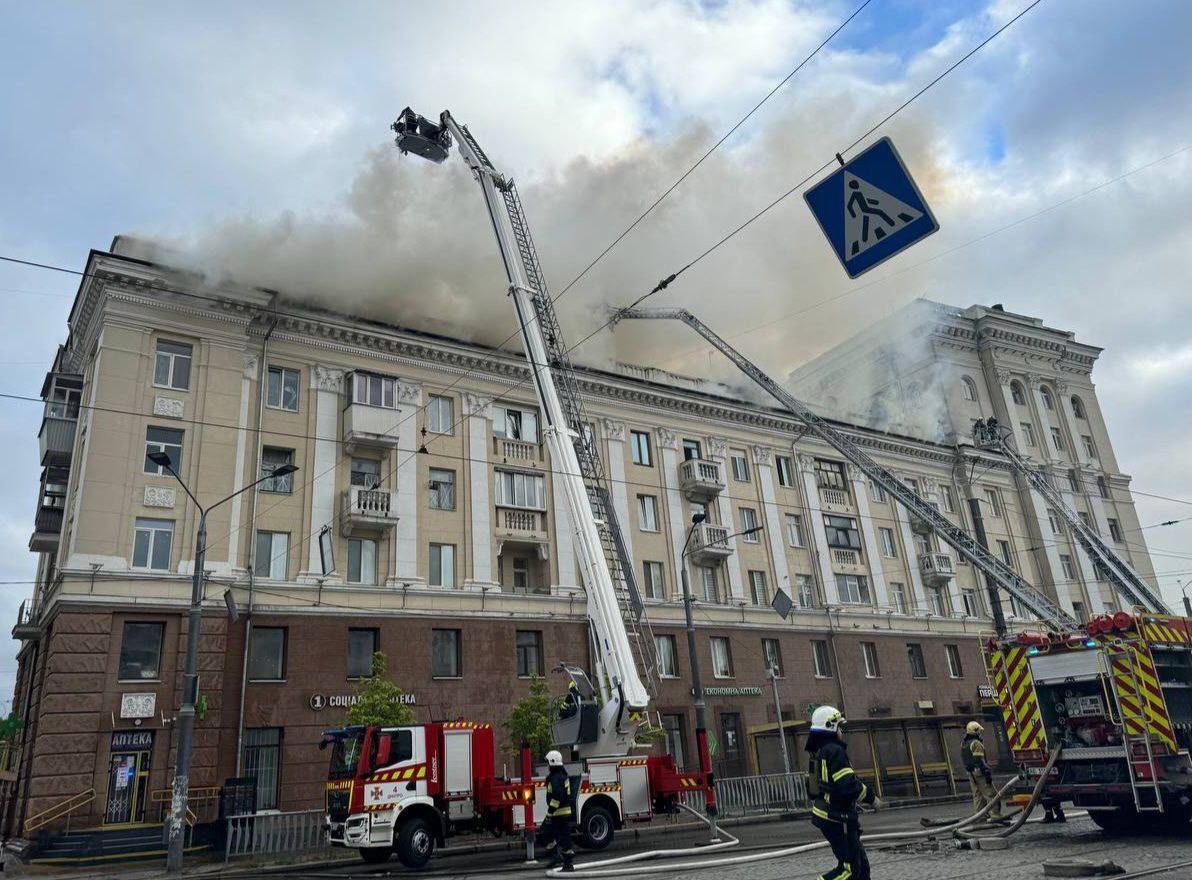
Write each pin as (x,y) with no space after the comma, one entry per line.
(974,728)
(554,759)
(827,719)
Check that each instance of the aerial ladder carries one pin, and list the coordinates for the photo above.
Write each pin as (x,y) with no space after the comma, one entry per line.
(992,436)
(996,571)
(623,644)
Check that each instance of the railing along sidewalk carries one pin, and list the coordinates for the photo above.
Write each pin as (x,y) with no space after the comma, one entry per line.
(253,834)
(756,795)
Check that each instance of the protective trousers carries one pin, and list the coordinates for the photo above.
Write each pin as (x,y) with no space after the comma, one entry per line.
(845,840)
(556,837)
(984,793)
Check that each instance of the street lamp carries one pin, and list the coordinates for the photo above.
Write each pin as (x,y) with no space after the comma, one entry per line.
(190,678)
(1183,585)
(697,688)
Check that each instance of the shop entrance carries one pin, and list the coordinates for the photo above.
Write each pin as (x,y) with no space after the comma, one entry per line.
(128,776)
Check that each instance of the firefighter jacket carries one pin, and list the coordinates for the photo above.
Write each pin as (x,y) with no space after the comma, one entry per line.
(831,782)
(972,752)
(558,793)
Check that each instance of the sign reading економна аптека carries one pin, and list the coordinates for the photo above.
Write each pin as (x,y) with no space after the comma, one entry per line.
(744,691)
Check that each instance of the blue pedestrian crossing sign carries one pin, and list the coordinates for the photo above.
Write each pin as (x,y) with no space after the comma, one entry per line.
(870,209)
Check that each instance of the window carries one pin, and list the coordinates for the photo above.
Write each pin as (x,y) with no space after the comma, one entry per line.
(842,532)
(1017,394)
(1089,448)
(708,578)
(1057,439)
(272,458)
(365,473)
(947,499)
(282,390)
(740,466)
(1073,481)
(167,440)
(1048,400)
(1086,520)
(262,762)
(772,653)
(442,565)
(829,474)
(271,555)
(955,668)
(667,656)
(722,657)
(922,544)
(749,521)
(529,653)
(937,602)
(515,489)
(515,424)
(63,402)
(691,449)
(757,588)
(639,445)
(362,644)
(171,367)
(1028,434)
(267,653)
(140,651)
(1079,613)
(362,561)
(873,669)
(994,502)
(521,573)
(804,591)
(877,493)
(675,739)
(440,414)
(151,544)
(1078,408)
(886,536)
(853,589)
(1053,520)
(794,530)
(914,654)
(647,509)
(445,653)
(972,605)
(652,580)
(1102,487)
(1066,565)
(372,390)
(786,470)
(442,489)
(898,597)
(1003,549)
(970,388)
(730,727)
(1115,531)
(821,659)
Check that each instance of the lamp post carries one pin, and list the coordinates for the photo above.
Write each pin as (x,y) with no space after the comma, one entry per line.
(190,678)
(1183,585)
(697,688)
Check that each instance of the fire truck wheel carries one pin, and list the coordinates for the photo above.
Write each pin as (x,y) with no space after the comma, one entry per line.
(596,827)
(415,843)
(375,855)
(1123,820)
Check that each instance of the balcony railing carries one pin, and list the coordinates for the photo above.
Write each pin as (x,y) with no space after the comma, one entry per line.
(936,568)
(26,628)
(701,480)
(845,557)
(521,451)
(47,529)
(834,497)
(56,440)
(369,509)
(370,427)
(521,521)
(709,543)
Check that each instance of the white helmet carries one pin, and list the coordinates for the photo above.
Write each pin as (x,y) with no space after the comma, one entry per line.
(554,759)
(827,719)
(973,728)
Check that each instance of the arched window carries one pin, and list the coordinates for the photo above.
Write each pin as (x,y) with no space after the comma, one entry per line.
(1017,393)
(1077,407)
(970,388)
(1048,400)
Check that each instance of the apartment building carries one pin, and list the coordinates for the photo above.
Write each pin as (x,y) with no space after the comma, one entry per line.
(421,522)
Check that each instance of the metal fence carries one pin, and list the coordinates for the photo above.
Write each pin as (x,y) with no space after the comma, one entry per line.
(756,795)
(273,833)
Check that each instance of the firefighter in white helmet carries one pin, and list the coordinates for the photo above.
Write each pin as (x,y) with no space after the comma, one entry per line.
(556,830)
(836,791)
(972,752)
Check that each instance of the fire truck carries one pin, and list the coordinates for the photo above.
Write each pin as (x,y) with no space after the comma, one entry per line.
(405,789)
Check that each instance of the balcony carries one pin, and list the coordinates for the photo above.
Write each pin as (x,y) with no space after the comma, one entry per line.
(369,509)
(370,427)
(937,568)
(26,629)
(516,525)
(56,440)
(922,526)
(47,530)
(835,498)
(701,480)
(510,451)
(709,544)
(846,558)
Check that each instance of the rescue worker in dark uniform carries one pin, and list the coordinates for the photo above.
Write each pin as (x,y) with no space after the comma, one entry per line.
(836,792)
(972,753)
(569,705)
(557,827)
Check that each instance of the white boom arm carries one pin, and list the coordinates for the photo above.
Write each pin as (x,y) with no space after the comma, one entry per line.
(596,532)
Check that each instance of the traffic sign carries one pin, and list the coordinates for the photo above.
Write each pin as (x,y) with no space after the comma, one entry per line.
(870,209)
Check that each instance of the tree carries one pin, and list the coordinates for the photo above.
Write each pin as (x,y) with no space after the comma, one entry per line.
(529,720)
(379,700)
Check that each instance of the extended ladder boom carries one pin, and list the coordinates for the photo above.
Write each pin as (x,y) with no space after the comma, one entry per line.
(990,435)
(964,544)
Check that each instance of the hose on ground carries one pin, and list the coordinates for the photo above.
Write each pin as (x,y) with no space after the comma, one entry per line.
(1025,812)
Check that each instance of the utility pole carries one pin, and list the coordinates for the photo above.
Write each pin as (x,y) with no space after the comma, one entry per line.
(995,599)
(697,688)
(1183,585)
(786,755)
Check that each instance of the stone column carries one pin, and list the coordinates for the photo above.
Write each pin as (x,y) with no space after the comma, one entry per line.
(1088,574)
(1043,419)
(405,566)
(815,528)
(917,598)
(873,555)
(328,385)
(614,436)
(775,536)
(1011,419)
(668,460)
(1048,541)
(477,408)
(252,364)
(1068,416)
(1089,476)
(718,451)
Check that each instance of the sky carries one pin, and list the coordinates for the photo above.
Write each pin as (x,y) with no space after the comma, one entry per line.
(252,139)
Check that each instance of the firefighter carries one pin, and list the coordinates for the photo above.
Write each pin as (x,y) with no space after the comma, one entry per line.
(557,827)
(836,791)
(973,754)
(570,703)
